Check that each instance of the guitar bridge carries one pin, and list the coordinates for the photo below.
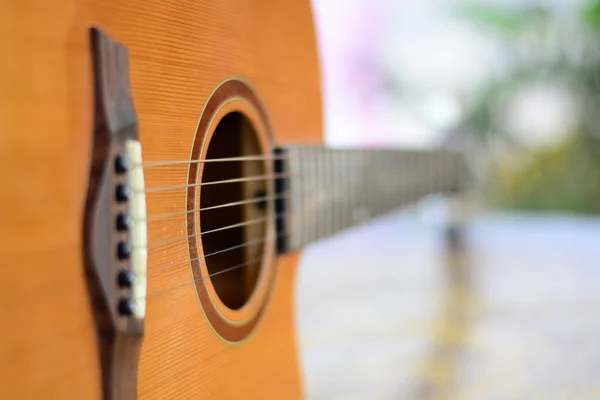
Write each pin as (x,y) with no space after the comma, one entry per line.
(115,237)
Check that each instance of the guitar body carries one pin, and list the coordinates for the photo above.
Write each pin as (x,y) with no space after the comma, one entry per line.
(179,53)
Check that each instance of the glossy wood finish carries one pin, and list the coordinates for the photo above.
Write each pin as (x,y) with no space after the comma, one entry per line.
(180,51)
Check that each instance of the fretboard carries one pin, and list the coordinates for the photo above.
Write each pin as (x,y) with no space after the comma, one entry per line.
(326,190)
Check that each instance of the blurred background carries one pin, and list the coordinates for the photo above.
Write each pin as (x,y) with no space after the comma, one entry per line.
(386,310)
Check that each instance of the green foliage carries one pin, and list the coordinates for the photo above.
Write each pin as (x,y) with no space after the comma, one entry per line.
(502,20)
(591,14)
(565,176)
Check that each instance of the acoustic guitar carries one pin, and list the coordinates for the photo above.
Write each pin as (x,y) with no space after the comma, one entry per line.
(162,168)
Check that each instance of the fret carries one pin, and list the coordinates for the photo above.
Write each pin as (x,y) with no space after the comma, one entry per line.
(459,174)
(448,182)
(379,182)
(382,183)
(345,190)
(399,181)
(433,172)
(318,160)
(296,195)
(342,189)
(313,194)
(336,188)
(367,185)
(294,206)
(389,182)
(318,181)
(389,203)
(379,179)
(424,182)
(418,183)
(442,181)
(319,203)
(373,176)
(349,207)
(364,174)
(348,200)
(328,182)
(302,197)
(327,193)
(360,182)
(311,191)
(347,195)
(323,201)
(406,188)
(438,181)
(331,186)
(306,194)
(415,181)
(356,183)
(445,172)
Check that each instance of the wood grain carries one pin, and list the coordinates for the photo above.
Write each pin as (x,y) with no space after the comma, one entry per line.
(179,52)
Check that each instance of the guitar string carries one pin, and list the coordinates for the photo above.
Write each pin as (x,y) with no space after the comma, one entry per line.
(163,242)
(230,204)
(238,266)
(249,243)
(194,281)
(146,165)
(245,244)
(241,202)
(235,180)
(250,178)
(225,181)
(246,201)
(155,271)
(236,225)
(226,227)
(257,157)
(251,200)
(362,153)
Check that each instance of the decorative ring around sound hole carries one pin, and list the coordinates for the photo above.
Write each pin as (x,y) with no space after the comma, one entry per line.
(233,123)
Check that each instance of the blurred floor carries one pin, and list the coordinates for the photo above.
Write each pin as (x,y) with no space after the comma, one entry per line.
(385,312)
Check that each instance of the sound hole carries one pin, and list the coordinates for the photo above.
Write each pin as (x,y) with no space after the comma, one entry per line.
(233,254)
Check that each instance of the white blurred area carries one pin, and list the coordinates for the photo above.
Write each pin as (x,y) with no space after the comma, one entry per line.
(384,310)
(398,72)
(540,114)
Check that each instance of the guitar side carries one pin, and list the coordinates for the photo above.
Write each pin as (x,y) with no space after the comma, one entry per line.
(179,52)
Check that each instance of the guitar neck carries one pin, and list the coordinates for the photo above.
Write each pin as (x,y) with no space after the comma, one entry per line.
(322,191)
